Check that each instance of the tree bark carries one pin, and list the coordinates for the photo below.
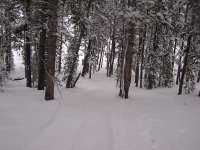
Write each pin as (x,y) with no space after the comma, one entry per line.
(60,55)
(112,55)
(142,57)
(86,64)
(8,50)
(41,69)
(28,46)
(101,58)
(51,45)
(128,59)
(187,50)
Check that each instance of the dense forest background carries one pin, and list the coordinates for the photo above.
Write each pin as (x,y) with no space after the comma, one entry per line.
(157,41)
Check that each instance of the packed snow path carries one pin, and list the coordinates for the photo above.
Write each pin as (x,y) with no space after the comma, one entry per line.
(92,117)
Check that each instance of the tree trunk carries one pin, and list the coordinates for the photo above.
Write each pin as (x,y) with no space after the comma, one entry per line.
(8,50)
(187,50)
(107,57)
(178,72)
(142,57)
(121,73)
(60,55)
(128,59)
(51,45)
(112,55)
(28,46)
(173,59)
(90,73)
(86,63)
(198,78)
(101,58)
(41,69)
(137,70)
(61,41)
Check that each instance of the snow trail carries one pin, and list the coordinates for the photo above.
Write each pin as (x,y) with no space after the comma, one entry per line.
(92,117)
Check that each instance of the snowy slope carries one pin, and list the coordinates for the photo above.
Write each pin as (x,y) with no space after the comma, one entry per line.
(93,117)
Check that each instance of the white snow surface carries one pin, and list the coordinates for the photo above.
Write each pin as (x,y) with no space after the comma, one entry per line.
(93,117)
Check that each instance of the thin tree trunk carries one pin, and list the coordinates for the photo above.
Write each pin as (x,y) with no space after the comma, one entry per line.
(61,41)
(178,79)
(51,45)
(41,69)
(179,66)
(87,55)
(60,55)
(121,75)
(8,50)
(198,78)
(28,46)
(90,73)
(108,62)
(142,57)
(187,50)
(112,55)
(178,72)
(173,60)
(137,70)
(101,58)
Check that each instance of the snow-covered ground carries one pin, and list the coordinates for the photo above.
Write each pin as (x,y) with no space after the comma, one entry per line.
(93,117)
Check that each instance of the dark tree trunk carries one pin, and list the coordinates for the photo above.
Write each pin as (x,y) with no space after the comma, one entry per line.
(121,62)
(137,71)
(142,57)
(60,55)
(128,59)
(129,53)
(41,69)
(179,75)
(198,78)
(28,61)
(101,59)
(178,72)
(8,58)
(121,93)
(27,48)
(90,74)
(8,50)
(173,59)
(112,55)
(51,45)
(187,50)
(107,57)
(86,63)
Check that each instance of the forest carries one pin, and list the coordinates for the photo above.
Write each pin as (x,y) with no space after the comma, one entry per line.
(99,74)
(156,40)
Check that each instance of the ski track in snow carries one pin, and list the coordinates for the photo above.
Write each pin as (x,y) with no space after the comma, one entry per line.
(93,117)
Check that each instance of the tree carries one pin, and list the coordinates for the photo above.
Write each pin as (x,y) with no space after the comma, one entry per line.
(27,47)
(51,49)
(42,44)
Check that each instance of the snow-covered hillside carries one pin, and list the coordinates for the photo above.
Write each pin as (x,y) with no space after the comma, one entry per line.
(92,117)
